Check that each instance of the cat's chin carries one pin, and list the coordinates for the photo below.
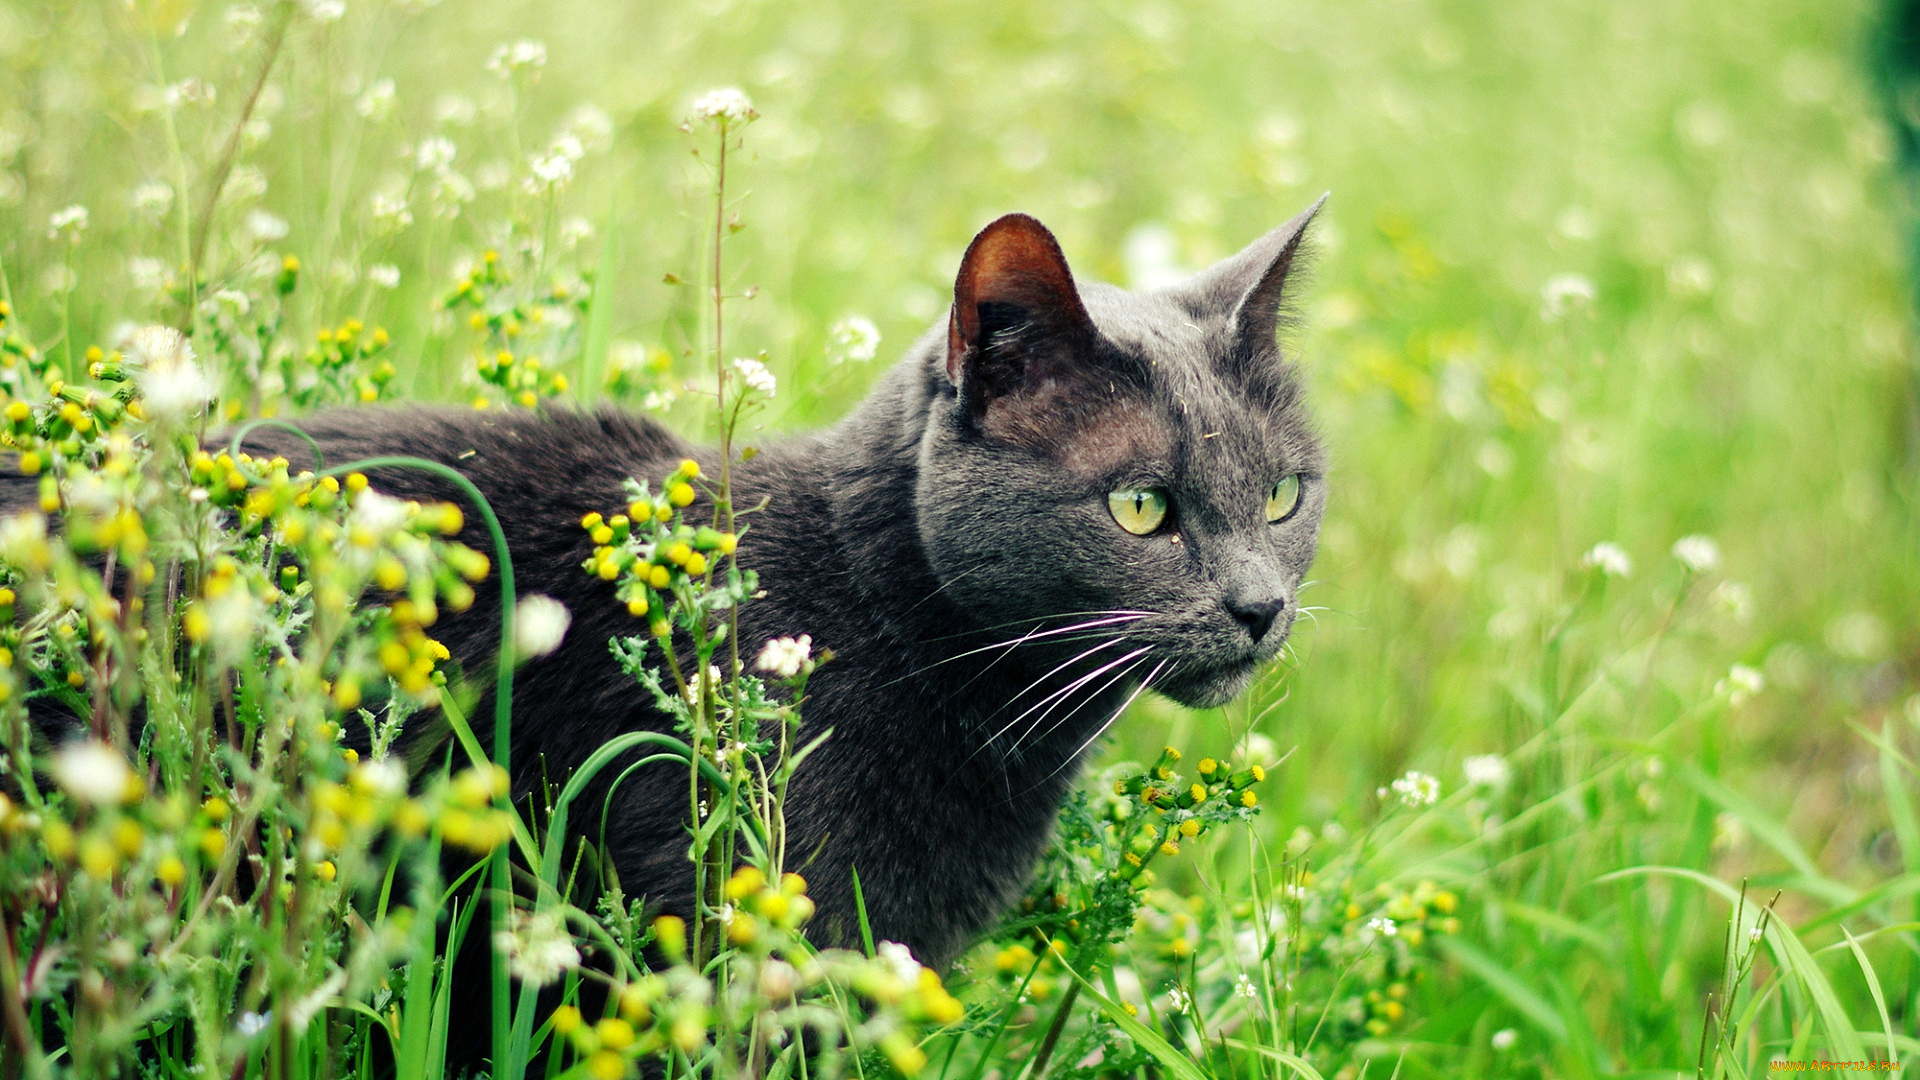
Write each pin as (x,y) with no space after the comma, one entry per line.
(1207,687)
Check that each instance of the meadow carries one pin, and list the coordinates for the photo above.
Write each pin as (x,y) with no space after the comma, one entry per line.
(1599,755)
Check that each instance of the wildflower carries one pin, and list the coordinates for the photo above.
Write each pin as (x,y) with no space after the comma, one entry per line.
(1383,926)
(1486,770)
(786,657)
(434,154)
(548,172)
(1505,1038)
(1565,292)
(853,338)
(1609,558)
(515,57)
(1754,934)
(390,213)
(1244,987)
(147,273)
(540,623)
(1417,789)
(755,375)
(152,199)
(172,384)
(385,275)
(266,227)
(725,104)
(326,11)
(1179,1000)
(537,947)
(575,230)
(1697,553)
(1742,682)
(251,1024)
(450,191)
(245,183)
(96,773)
(590,126)
(67,224)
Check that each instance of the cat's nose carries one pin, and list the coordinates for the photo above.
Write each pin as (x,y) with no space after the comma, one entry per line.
(1256,615)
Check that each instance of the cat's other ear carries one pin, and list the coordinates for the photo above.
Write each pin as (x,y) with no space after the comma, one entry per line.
(1017,321)
(1251,288)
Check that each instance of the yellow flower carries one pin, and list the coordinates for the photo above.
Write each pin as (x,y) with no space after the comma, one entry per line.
(566,1020)
(1259,773)
(1206,766)
(615,1033)
(659,576)
(170,871)
(637,606)
(689,468)
(606,1065)
(696,564)
(1190,827)
(325,870)
(1169,848)
(745,882)
(98,858)
(1199,793)
(1248,798)
(680,493)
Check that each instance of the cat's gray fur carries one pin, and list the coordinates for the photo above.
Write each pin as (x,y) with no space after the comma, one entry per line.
(934,540)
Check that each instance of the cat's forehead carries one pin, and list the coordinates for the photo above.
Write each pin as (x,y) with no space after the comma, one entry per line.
(1220,418)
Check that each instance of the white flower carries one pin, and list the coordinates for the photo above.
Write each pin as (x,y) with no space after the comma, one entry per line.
(385,275)
(692,695)
(755,375)
(191,92)
(574,230)
(1754,934)
(1417,789)
(390,213)
(1505,1038)
(786,657)
(171,382)
(242,20)
(326,11)
(538,625)
(548,172)
(1383,926)
(449,193)
(726,103)
(538,948)
(67,223)
(1609,558)
(853,338)
(244,183)
(231,301)
(378,515)
(510,59)
(386,778)
(266,227)
(568,145)
(435,153)
(900,959)
(1486,770)
(1742,682)
(251,1024)
(1179,1000)
(1697,553)
(377,103)
(1564,292)
(1245,988)
(94,772)
(454,110)
(147,273)
(590,125)
(152,199)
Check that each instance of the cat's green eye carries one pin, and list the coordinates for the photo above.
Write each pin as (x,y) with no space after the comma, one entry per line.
(1138,510)
(1283,499)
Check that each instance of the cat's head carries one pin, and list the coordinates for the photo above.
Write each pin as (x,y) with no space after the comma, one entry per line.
(1137,465)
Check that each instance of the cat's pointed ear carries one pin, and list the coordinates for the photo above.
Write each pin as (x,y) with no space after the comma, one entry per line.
(1251,287)
(1016,312)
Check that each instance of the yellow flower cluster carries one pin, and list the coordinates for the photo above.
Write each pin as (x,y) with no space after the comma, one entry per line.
(337,349)
(509,319)
(649,549)
(1178,811)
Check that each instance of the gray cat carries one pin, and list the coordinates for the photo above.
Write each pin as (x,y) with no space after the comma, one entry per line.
(1064,494)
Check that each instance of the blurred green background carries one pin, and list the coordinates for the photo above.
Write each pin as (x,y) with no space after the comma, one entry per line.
(1619,271)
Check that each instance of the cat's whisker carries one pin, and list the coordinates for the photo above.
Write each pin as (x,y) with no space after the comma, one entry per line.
(1031,636)
(1034,738)
(1060,695)
(1038,619)
(1074,757)
(1058,668)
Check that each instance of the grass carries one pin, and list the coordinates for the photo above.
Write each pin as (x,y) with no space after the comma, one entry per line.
(1591,273)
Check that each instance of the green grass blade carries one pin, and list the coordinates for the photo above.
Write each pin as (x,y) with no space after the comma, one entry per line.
(1873,987)
(1789,952)
(860,909)
(1175,1060)
(1530,1002)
